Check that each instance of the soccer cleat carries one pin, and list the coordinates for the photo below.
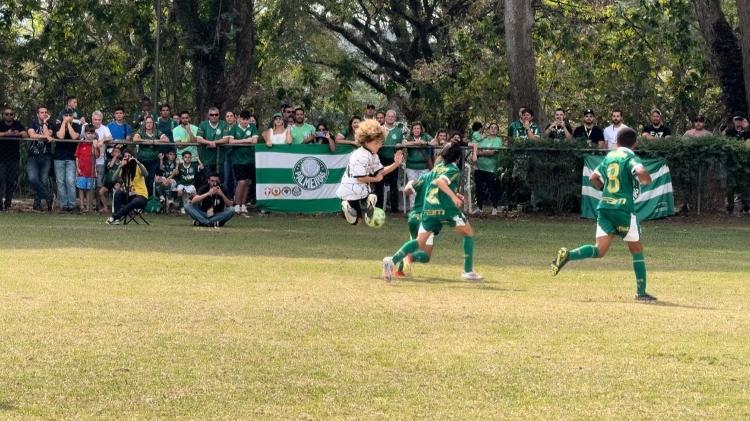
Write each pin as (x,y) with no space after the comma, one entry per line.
(408,265)
(560,260)
(387,269)
(372,200)
(471,276)
(645,297)
(399,274)
(349,212)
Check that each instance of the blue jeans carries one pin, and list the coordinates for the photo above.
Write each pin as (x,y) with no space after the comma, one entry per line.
(37,170)
(65,175)
(202,217)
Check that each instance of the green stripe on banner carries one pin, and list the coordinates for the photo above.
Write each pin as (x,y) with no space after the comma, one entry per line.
(654,201)
(301,206)
(299,178)
(286,176)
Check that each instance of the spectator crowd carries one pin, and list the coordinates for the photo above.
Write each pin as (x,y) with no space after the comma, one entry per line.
(184,167)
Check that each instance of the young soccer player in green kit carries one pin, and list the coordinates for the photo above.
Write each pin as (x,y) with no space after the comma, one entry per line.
(417,188)
(441,206)
(616,177)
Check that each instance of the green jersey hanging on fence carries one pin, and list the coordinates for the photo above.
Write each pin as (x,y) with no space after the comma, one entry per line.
(652,201)
(211,133)
(243,155)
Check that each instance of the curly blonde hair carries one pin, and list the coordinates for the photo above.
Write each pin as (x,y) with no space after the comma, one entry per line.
(369,131)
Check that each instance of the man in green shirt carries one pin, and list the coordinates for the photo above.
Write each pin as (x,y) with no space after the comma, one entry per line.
(485,176)
(524,127)
(243,158)
(211,134)
(618,176)
(301,132)
(186,133)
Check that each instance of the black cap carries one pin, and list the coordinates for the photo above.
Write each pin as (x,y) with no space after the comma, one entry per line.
(589,111)
(738,117)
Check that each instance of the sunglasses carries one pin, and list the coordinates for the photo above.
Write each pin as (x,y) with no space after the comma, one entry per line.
(213,115)
(9,113)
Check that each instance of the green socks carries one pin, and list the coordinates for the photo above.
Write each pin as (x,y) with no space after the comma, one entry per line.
(420,257)
(639,267)
(584,252)
(408,247)
(468,254)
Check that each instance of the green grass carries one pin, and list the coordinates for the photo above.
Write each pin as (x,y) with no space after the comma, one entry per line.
(284,317)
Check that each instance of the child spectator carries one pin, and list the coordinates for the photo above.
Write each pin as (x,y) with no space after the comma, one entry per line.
(86,176)
(186,173)
(165,182)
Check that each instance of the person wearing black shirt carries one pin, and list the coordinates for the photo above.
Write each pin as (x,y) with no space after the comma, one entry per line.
(9,156)
(210,207)
(656,130)
(738,131)
(65,161)
(590,131)
(39,156)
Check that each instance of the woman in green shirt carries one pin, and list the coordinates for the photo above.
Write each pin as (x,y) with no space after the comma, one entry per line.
(147,138)
(485,175)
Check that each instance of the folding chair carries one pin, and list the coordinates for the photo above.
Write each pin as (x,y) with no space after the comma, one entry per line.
(134,216)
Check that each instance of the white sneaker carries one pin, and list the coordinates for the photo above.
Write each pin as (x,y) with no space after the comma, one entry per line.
(494,211)
(182,211)
(349,213)
(387,269)
(112,221)
(477,212)
(471,276)
(237,209)
(243,209)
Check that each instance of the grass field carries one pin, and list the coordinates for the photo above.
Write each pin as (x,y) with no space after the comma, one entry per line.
(282,317)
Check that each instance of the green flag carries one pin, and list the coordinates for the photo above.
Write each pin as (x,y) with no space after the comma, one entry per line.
(299,178)
(653,201)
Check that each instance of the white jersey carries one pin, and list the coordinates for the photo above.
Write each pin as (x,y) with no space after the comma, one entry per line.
(362,163)
(610,135)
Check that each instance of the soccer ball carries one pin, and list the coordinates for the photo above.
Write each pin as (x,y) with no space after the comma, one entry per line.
(377,220)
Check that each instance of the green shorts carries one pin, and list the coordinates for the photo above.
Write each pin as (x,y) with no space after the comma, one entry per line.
(434,225)
(617,222)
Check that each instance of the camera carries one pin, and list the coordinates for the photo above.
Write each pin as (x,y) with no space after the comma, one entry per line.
(321,133)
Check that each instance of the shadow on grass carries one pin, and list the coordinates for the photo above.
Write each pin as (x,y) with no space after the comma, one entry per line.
(412,281)
(7,406)
(658,303)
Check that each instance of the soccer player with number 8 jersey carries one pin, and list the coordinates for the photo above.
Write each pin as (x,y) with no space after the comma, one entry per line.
(617,176)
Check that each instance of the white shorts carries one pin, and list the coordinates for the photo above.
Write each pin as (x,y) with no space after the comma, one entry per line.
(356,191)
(189,189)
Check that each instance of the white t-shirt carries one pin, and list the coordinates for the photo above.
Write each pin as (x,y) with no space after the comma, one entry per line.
(102,133)
(362,163)
(610,135)
(278,138)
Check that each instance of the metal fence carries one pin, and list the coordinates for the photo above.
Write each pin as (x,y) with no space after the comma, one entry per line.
(528,180)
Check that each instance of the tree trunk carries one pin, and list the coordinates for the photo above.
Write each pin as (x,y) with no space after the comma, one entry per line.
(222,64)
(743,10)
(521,56)
(724,54)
